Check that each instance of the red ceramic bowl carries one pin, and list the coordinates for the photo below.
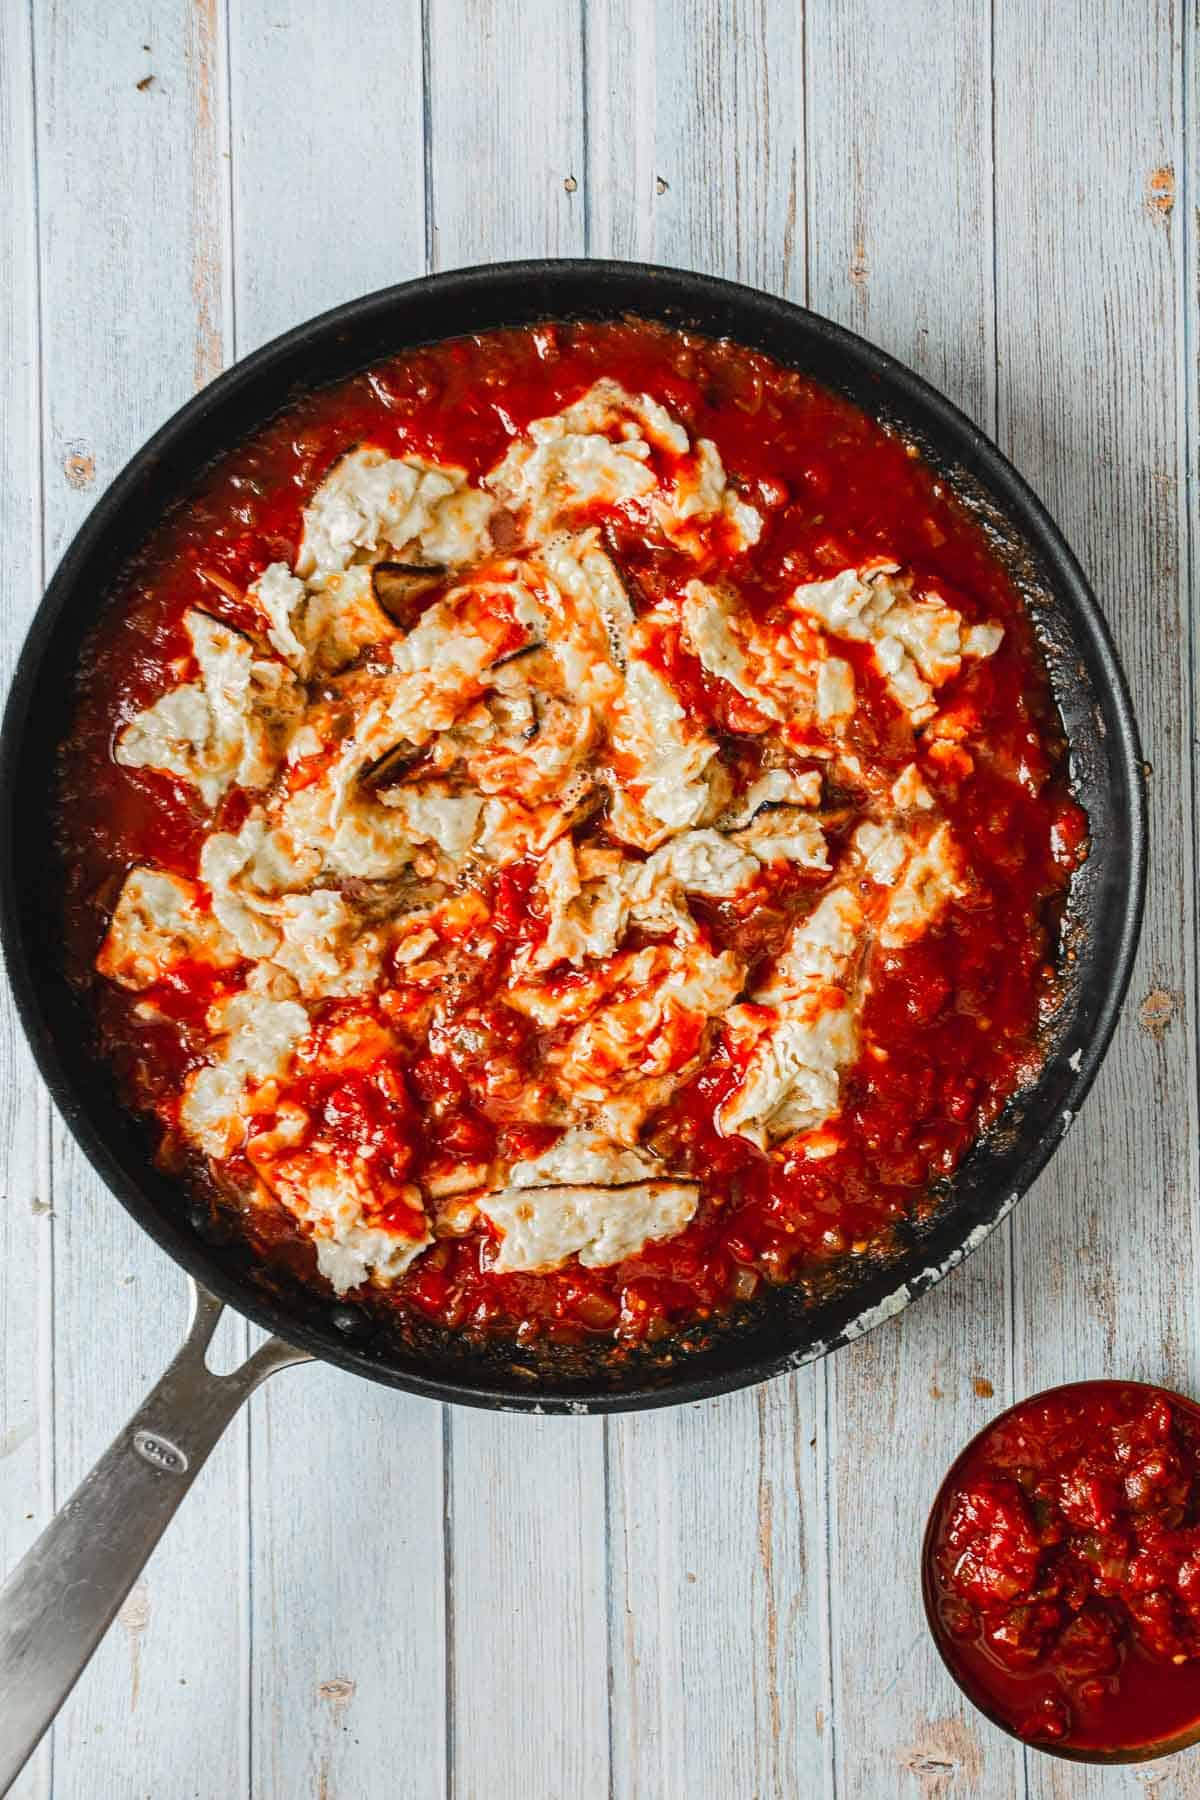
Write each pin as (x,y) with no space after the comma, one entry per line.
(1061,1571)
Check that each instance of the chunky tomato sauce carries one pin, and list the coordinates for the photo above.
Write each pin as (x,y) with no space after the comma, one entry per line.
(1063,1567)
(951,1024)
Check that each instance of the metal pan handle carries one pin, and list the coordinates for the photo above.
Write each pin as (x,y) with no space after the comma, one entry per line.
(64,1593)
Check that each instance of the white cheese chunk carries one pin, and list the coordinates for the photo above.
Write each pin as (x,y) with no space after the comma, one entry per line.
(933,876)
(259,1034)
(709,633)
(348,1252)
(584,918)
(281,597)
(256,1038)
(459,531)
(793,1080)
(789,675)
(444,662)
(210,1112)
(247,871)
(322,948)
(320,632)
(230,727)
(583,1156)
(696,862)
(801,1031)
(909,792)
(982,640)
(604,450)
(774,787)
(555,473)
(785,834)
(646,1028)
(159,922)
(434,814)
(591,619)
(922,866)
(884,850)
(820,951)
(349,1249)
(588,910)
(175,736)
(663,761)
(700,494)
(528,743)
(918,642)
(835,691)
(338,1205)
(596,451)
(370,500)
(543,1227)
(508,830)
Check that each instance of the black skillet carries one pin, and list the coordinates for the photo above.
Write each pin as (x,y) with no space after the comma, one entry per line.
(791,1326)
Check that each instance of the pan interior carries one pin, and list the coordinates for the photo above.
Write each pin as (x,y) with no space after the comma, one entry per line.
(1100,928)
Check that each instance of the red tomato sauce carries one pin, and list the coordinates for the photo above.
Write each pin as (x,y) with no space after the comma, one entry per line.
(1062,1567)
(958,1014)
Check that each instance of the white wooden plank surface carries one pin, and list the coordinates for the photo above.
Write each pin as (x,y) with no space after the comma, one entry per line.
(130,235)
(718,1596)
(505,105)
(302,1631)
(1088,336)
(328,191)
(706,168)
(900,233)
(25,1224)
(332,1682)
(527,1651)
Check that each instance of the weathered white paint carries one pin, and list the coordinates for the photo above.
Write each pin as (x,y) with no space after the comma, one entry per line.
(1090,338)
(717,1513)
(25,1223)
(367,1595)
(328,157)
(343,1692)
(505,103)
(902,253)
(528,1699)
(130,281)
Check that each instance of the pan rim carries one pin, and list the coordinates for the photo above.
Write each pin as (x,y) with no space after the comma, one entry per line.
(910,396)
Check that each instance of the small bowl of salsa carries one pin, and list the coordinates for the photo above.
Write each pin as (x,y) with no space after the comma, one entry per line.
(1061,1571)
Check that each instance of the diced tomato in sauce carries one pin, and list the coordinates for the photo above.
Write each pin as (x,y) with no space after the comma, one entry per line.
(1062,1568)
(956,1016)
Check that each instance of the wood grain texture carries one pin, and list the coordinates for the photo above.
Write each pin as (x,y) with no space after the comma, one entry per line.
(900,232)
(899,196)
(26,1422)
(130,180)
(718,1597)
(329,192)
(696,137)
(347,1626)
(347,1623)
(526,1591)
(366,1595)
(1088,314)
(505,105)
(717,1513)
(527,1648)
